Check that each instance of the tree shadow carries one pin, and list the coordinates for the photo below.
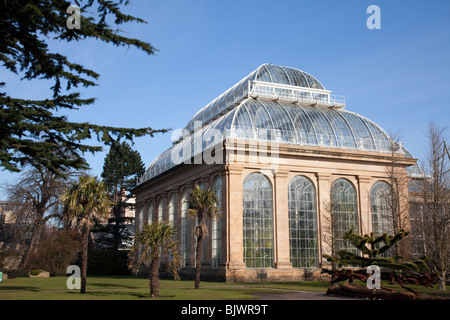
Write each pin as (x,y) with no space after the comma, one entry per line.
(3,289)
(147,296)
(112,285)
(116,294)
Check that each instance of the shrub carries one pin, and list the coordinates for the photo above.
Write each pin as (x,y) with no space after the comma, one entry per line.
(56,253)
(35,272)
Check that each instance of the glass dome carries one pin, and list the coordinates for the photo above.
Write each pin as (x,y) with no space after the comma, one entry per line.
(266,73)
(286,75)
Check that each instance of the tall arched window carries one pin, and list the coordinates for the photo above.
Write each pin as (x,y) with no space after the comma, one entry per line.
(161,205)
(141,216)
(141,222)
(379,205)
(151,208)
(172,208)
(184,228)
(344,206)
(216,230)
(303,223)
(258,221)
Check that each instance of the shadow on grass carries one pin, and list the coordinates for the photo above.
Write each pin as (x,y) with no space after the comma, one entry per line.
(5,289)
(147,296)
(112,285)
(115,295)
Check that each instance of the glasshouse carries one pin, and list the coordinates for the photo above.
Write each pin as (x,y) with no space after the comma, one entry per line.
(282,154)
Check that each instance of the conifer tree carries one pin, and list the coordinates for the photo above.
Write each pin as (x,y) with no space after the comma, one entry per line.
(121,168)
(393,269)
(30,130)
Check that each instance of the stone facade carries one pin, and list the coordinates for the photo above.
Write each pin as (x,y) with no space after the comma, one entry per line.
(280,163)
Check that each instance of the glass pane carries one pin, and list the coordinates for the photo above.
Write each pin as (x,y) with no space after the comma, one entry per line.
(344,202)
(382,218)
(216,232)
(258,221)
(302,223)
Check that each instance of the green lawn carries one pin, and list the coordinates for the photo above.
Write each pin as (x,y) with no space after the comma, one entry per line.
(126,288)
(133,288)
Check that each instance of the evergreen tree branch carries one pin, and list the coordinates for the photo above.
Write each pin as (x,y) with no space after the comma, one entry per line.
(30,133)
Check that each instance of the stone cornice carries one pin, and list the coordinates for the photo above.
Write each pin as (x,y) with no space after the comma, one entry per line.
(320,152)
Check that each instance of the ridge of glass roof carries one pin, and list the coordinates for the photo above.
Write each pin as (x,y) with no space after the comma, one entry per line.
(273,76)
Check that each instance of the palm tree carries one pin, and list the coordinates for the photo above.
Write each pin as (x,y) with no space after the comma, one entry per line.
(149,242)
(202,204)
(85,202)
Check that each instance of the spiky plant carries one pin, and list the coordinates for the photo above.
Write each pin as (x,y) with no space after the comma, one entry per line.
(149,242)
(85,202)
(202,205)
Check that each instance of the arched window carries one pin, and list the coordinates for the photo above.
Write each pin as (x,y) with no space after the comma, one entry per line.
(344,206)
(141,216)
(258,221)
(303,223)
(184,228)
(379,205)
(216,230)
(141,222)
(161,209)
(151,208)
(172,208)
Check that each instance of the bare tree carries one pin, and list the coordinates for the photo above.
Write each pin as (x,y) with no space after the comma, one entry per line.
(36,198)
(330,236)
(398,179)
(397,195)
(434,193)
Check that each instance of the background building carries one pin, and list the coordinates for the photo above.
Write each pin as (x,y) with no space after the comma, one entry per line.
(279,150)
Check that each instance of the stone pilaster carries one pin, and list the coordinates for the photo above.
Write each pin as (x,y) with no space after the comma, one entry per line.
(281,219)
(323,212)
(365,218)
(235,238)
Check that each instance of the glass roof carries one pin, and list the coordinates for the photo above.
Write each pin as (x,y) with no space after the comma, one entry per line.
(240,91)
(235,114)
(282,123)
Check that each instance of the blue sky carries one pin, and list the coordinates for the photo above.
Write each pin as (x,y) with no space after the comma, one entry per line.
(398,76)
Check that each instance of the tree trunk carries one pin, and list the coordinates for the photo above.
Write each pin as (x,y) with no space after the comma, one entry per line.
(154,275)
(441,281)
(36,236)
(198,258)
(84,257)
(116,210)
